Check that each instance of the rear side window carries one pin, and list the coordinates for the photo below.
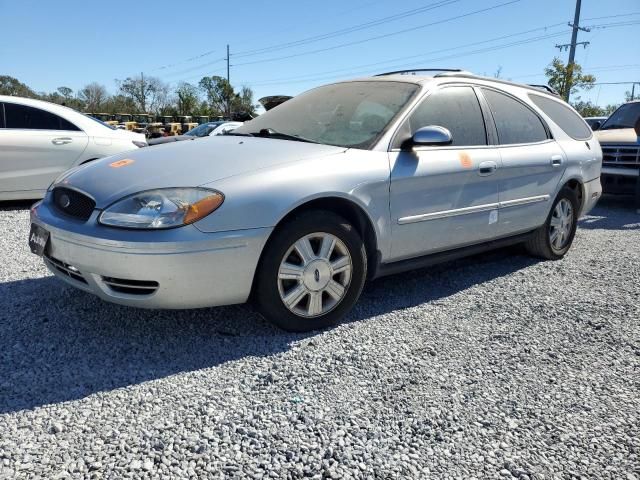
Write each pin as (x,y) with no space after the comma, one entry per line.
(30,118)
(515,122)
(568,120)
(456,109)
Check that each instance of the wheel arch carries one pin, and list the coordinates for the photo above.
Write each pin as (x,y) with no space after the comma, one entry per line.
(350,210)
(576,184)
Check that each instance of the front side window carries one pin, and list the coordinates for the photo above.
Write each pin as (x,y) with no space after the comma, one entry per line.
(456,109)
(515,122)
(568,120)
(30,118)
(350,114)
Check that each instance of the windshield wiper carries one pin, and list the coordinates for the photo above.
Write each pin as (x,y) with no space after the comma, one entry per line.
(238,134)
(270,132)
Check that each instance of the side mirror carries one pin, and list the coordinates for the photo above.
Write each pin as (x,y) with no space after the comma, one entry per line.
(432,135)
(596,125)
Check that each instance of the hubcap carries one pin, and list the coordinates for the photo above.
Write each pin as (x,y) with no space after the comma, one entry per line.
(314,274)
(561,224)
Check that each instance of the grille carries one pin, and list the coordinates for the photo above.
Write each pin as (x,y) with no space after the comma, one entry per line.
(66,269)
(621,156)
(73,203)
(131,287)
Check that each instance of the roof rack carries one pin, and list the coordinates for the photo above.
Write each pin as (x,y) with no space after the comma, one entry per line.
(463,74)
(413,71)
(546,88)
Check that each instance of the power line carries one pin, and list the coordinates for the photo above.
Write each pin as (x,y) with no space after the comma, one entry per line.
(296,42)
(377,37)
(413,57)
(446,57)
(345,31)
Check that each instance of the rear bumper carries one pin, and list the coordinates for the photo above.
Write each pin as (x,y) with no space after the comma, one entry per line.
(202,270)
(592,193)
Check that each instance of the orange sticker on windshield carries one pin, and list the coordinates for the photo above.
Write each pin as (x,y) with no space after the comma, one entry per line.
(121,163)
(465,160)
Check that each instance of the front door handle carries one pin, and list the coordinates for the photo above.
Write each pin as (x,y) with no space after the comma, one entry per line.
(556,160)
(61,140)
(487,168)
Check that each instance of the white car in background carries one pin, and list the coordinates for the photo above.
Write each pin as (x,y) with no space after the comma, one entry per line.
(40,140)
(209,129)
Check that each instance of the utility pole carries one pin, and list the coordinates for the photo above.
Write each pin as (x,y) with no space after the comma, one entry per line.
(142,91)
(572,47)
(229,82)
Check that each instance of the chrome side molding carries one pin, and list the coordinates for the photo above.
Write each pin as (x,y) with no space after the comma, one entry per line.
(475,209)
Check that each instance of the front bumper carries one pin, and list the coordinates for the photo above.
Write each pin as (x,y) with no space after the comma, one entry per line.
(181,268)
(621,181)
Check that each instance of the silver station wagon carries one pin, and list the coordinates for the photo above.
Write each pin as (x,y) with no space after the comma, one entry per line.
(297,208)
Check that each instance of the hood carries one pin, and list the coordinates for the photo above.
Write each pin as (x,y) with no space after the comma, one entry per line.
(185,164)
(617,136)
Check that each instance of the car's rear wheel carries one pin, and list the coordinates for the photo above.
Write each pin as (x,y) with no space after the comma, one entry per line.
(311,272)
(553,240)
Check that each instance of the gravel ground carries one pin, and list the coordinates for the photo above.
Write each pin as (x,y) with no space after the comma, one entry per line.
(493,367)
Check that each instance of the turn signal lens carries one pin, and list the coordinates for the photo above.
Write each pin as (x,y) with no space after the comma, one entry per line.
(202,208)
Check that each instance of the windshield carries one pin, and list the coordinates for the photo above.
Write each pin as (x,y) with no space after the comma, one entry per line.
(100,122)
(352,114)
(202,130)
(624,117)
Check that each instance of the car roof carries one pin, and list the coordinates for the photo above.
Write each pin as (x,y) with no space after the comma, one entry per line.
(448,75)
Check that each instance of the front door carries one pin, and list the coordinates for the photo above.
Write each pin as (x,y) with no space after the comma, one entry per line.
(444,197)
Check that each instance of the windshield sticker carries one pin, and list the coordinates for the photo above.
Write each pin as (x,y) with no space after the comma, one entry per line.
(121,163)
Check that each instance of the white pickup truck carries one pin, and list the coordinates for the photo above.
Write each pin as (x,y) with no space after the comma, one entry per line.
(619,137)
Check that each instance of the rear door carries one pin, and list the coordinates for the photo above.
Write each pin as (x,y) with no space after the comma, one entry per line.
(35,147)
(443,197)
(532,163)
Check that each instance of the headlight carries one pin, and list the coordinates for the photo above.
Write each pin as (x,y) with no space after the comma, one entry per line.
(162,208)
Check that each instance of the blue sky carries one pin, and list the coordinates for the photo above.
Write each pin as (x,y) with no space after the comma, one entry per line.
(71,43)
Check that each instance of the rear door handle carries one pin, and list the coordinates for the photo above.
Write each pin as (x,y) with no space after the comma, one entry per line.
(487,168)
(556,160)
(61,140)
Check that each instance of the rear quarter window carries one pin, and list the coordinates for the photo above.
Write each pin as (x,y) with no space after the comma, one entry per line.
(563,116)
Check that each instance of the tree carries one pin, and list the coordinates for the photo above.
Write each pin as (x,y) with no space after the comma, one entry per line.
(119,104)
(242,104)
(66,92)
(12,86)
(187,98)
(219,94)
(147,93)
(566,79)
(588,109)
(93,95)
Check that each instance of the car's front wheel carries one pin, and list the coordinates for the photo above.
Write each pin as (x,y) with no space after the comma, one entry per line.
(311,272)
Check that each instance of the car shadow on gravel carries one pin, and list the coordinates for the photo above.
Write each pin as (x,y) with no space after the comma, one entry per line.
(9,205)
(59,344)
(612,212)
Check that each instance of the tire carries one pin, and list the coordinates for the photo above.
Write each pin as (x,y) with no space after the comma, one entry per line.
(320,289)
(553,239)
